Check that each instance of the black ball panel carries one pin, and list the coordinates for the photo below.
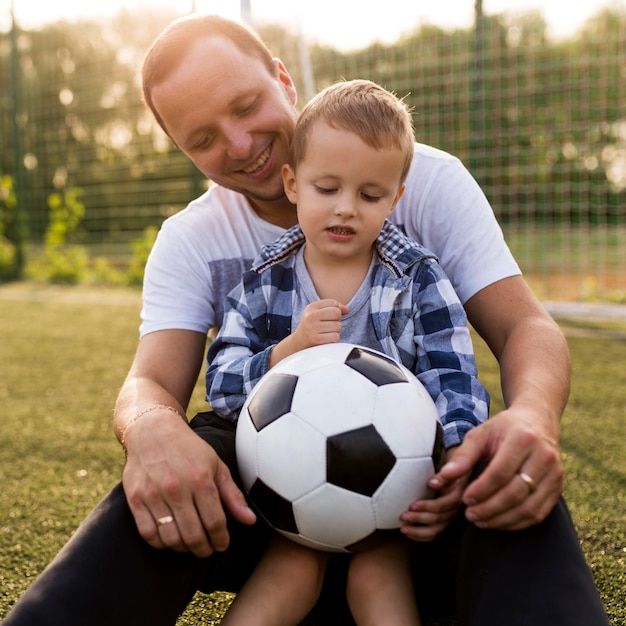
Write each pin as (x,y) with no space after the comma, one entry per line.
(273,507)
(272,400)
(358,460)
(377,368)
(438,449)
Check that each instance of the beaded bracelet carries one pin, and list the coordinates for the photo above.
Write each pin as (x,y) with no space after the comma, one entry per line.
(132,420)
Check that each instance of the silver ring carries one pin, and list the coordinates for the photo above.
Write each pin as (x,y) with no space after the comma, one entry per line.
(530,483)
(166,519)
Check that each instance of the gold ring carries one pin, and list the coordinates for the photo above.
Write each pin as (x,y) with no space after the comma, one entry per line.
(530,483)
(166,519)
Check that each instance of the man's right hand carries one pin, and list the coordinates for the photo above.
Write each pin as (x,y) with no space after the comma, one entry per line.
(171,472)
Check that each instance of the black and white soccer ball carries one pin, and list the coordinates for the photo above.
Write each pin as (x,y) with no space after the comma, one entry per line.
(334,443)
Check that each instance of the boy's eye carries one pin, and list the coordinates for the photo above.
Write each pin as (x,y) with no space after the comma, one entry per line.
(370,198)
(325,190)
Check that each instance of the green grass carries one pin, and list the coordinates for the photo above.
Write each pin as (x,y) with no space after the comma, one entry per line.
(65,353)
(571,263)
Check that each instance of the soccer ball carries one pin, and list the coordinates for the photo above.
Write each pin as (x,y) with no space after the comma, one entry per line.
(334,443)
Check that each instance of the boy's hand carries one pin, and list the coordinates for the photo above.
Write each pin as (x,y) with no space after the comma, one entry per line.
(320,324)
(510,442)
(425,519)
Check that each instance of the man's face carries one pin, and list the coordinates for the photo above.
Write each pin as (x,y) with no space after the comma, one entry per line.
(231,117)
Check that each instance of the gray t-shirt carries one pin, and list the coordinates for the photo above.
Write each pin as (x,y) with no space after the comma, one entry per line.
(356,326)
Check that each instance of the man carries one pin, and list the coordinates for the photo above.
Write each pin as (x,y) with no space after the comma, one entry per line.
(230,108)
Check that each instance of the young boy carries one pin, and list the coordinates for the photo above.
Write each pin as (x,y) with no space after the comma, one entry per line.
(346,274)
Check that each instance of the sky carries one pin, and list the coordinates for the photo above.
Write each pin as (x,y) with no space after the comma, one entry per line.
(345,24)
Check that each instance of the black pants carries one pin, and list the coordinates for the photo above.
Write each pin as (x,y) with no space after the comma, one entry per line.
(107,575)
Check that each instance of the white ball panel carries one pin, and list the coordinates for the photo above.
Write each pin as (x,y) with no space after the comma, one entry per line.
(321,399)
(406,483)
(406,420)
(291,457)
(333,516)
(317,357)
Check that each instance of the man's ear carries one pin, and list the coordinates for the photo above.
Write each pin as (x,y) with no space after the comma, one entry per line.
(289,183)
(285,80)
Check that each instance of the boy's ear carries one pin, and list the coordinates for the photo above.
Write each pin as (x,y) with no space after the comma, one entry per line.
(284,78)
(289,183)
(398,196)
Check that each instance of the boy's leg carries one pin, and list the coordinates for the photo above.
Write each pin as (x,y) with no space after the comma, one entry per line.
(282,589)
(107,574)
(380,587)
(532,577)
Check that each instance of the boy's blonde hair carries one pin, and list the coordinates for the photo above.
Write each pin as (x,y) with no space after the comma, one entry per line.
(375,115)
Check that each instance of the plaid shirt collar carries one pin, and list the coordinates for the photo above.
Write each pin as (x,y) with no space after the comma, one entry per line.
(396,251)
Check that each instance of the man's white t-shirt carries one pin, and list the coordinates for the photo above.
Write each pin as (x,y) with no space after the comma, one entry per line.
(202,251)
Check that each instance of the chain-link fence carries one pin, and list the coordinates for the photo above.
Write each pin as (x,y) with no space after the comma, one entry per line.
(540,123)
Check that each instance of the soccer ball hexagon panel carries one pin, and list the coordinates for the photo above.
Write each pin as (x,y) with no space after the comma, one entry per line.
(334,443)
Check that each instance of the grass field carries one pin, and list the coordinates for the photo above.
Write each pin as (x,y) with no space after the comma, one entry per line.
(64,354)
(571,263)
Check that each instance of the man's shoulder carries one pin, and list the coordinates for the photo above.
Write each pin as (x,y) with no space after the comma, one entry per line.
(424,152)
(431,163)
(215,206)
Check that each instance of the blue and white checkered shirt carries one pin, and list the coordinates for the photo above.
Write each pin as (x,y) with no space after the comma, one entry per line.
(416,315)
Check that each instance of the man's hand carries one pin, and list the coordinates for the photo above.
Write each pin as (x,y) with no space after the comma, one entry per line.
(510,443)
(520,445)
(171,472)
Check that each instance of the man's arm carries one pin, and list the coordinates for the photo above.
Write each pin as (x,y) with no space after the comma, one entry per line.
(170,471)
(535,373)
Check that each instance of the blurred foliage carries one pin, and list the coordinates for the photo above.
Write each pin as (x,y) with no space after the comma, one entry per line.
(7,210)
(541,123)
(141,250)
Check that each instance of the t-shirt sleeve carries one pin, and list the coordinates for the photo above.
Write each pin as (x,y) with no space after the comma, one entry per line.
(444,209)
(177,285)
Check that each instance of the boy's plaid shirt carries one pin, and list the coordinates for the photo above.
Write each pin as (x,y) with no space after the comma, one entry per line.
(417,317)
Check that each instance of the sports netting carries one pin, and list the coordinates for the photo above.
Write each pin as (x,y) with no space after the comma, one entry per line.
(540,123)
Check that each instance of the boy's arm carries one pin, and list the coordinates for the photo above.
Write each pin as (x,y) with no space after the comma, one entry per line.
(534,363)
(445,355)
(447,368)
(237,358)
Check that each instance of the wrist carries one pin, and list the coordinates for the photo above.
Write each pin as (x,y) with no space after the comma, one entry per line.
(135,418)
(283,349)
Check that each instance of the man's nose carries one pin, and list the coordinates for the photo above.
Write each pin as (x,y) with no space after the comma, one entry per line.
(238,141)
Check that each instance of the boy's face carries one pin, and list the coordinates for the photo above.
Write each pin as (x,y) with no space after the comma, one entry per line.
(344,189)
(231,116)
